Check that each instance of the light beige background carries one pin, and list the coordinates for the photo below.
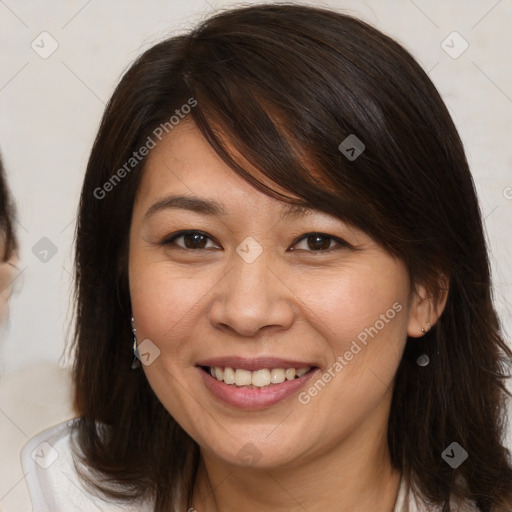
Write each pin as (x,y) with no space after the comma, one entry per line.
(51,108)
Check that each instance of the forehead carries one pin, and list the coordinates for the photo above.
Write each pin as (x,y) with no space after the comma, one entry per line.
(184,163)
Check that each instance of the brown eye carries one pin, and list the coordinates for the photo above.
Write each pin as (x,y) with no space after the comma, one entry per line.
(195,241)
(190,240)
(319,242)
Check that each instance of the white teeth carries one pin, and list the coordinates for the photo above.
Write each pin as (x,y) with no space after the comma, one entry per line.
(229,376)
(301,371)
(259,378)
(243,377)
(277,376)
(290,373)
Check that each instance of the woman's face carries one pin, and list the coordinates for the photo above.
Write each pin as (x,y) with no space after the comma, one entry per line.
(223,276)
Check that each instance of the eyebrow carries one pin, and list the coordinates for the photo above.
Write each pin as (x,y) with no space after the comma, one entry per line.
(211,207)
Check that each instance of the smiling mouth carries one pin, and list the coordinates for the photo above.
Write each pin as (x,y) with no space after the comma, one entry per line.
(262,378)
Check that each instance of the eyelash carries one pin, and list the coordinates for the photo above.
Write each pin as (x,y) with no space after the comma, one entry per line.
(172,240)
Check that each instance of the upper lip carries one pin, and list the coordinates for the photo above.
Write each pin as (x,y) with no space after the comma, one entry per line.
(253,364)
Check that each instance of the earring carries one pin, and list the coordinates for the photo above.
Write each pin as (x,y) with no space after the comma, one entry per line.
(423,330)
(423,359)
(136,359)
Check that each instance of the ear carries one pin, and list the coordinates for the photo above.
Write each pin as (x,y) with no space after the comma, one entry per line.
(425,308)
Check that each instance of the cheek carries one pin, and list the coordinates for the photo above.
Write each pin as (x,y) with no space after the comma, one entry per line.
(167,303)
(363,320)
(165,306)
(162,304)
(359,305)
(159,303)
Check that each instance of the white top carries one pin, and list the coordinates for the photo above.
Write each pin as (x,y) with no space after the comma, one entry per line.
(53,482)
(55,486)
(31,399)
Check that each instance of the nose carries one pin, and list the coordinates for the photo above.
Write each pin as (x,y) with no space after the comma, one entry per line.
(252,298)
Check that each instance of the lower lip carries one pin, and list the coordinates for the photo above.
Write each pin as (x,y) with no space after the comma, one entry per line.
(257,398)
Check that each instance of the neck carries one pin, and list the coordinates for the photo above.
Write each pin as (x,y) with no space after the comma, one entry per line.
(356,475)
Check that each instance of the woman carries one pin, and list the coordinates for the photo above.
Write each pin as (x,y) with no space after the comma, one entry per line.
(279,219)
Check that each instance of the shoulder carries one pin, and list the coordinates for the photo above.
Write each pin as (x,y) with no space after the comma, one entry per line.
(49,465)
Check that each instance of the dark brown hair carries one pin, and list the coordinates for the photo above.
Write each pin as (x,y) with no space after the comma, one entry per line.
(7,217)
(285,85)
